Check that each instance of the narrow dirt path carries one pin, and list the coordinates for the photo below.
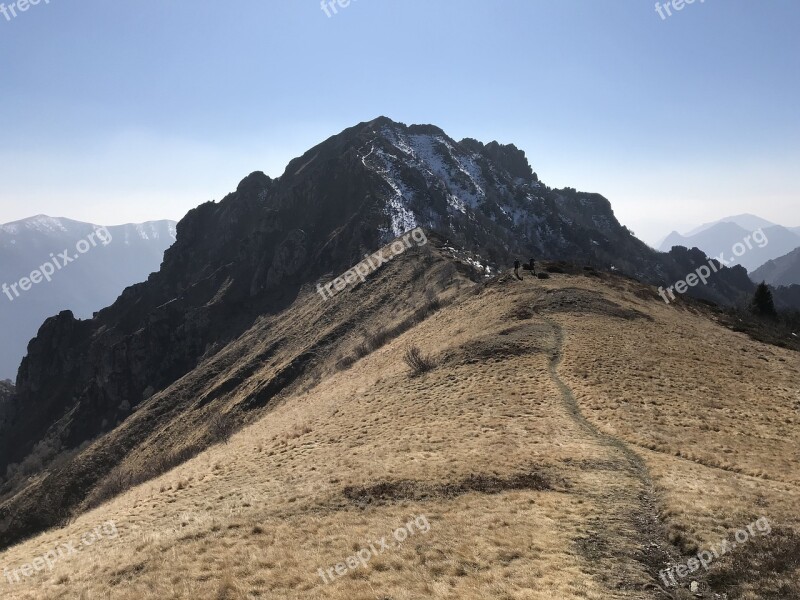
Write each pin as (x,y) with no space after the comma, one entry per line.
(574,410)
(656,552)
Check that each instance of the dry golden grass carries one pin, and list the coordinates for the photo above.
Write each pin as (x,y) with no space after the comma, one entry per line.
(288,495)
(713,413)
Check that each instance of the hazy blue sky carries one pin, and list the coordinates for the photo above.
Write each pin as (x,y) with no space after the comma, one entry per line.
(128,111)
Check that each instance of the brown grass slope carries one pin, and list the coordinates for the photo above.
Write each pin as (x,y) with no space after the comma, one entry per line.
(574,436)
(238,383)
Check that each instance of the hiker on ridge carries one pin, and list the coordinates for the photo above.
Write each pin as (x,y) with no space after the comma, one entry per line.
(531,266)
(516,268)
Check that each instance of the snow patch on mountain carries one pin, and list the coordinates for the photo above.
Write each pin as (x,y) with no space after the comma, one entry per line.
(462,176)
(425,148)
(401,218)
(441,163)
(471,259)
(39,223)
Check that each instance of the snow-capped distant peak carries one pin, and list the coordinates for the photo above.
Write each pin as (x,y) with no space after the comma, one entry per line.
(48,227)
(39,223)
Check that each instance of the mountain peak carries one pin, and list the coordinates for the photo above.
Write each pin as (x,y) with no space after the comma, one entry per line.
(382,121)
(252,256)
(256,181)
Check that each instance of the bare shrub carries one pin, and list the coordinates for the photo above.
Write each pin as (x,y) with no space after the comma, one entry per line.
(296,432)
(417,362)
(115,483)
(365,348)
(221,428)
(345,362)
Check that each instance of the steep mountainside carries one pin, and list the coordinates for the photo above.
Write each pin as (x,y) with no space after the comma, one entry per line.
(93,273)
(238,263)
(781,271)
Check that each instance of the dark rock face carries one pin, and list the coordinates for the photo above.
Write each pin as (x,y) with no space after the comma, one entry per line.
(249,255)
(6,392)
(510,158)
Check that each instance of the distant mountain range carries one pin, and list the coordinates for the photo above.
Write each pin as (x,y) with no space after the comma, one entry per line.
(745,221)
(781,271)
(721,237)
(48,265)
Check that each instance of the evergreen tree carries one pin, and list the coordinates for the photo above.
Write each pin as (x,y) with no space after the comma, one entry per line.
(763,304)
